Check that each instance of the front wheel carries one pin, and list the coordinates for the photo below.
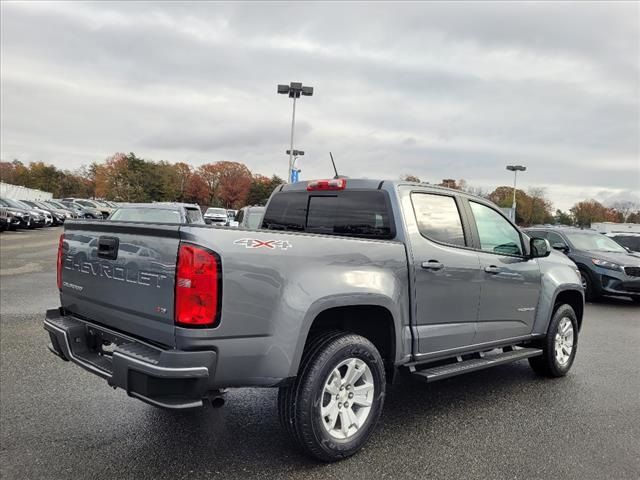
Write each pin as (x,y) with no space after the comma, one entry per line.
(334,404)
(591,293)
(560,345)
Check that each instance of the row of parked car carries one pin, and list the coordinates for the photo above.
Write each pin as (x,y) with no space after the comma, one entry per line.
(186,213)
(30,214)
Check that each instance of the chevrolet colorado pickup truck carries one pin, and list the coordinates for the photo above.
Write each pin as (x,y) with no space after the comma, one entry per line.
(346,282)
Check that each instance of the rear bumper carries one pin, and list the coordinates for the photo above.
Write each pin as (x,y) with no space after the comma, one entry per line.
(164,378)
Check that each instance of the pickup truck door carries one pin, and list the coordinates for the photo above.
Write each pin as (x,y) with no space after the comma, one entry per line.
(510,284)
(446,272)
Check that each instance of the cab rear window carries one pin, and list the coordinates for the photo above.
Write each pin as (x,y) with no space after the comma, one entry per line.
(354,213)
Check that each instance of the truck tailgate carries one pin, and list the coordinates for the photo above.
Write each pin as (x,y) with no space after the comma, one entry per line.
(121,275)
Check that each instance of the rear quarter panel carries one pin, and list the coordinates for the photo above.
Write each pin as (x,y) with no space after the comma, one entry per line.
(272,293)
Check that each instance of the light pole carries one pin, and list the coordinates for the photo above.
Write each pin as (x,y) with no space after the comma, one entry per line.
(295,171)
(515,169)
(294,90)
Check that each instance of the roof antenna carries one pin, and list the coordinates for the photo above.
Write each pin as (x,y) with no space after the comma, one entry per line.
(334,165)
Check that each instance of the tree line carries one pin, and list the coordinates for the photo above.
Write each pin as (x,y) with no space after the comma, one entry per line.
(534,208)
(129,178)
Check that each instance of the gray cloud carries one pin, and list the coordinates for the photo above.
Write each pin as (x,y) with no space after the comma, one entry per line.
(439,90)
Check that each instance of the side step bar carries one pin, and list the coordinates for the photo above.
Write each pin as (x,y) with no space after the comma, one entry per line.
(466,366)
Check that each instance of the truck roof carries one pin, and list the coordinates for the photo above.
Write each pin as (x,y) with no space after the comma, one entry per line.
(376,184)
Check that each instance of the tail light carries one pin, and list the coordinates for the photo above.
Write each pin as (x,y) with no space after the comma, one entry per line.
(60,259)
(333,184)
(198,287)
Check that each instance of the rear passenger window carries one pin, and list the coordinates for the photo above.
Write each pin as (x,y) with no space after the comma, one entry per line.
(438,218)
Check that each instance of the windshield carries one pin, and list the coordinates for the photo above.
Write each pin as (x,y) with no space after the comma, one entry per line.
(153,215)
(216,211)
(87,203)
(15,204)
(594,242)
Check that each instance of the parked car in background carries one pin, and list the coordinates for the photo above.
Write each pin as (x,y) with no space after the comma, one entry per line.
(31,218)
(250,217)
(627,240)
(83,211)
(175,213)
(17,217)
(63,207)
(104,210)
(216,216)
(606,267)
(4,219)
(58,216)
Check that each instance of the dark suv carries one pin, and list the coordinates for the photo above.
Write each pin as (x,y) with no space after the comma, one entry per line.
(606,268)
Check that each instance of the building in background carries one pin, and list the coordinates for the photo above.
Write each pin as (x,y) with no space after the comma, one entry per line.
(18,192)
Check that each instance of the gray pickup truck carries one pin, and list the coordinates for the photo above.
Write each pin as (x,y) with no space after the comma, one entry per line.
(347,282)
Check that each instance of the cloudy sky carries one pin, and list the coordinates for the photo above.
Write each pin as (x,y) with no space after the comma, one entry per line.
(438,90)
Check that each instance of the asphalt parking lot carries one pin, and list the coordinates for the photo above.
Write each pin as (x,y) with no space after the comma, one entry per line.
(58,421)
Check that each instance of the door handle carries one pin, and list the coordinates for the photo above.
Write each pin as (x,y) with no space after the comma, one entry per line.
(492,269)
(432,265)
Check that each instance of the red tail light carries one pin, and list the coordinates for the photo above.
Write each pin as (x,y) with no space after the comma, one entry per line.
(60,259)
(198,287)
(333,184)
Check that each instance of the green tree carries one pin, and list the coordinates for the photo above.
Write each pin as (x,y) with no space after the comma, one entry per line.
(261,188)
(563,218)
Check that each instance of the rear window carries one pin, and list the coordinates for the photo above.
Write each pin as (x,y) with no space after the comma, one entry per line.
(351,213)
(153,215)
(194,215)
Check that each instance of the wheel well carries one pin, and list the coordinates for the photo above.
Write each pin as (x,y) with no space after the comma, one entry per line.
(574,299)
(373,322)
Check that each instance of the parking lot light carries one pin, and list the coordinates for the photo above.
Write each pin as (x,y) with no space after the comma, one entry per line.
(294,90)
(515,169)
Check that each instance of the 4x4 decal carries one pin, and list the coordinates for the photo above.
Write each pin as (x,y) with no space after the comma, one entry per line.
(270,244)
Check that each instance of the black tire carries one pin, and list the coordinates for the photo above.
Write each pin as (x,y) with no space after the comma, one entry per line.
(299,403)
(547,364)
(591,293)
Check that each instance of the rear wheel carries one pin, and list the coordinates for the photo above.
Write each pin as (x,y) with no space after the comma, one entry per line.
(559,346)
(334,404)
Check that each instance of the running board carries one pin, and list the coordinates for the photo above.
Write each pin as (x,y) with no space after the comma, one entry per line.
(466,366)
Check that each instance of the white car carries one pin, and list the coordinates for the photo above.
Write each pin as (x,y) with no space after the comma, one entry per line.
(216,216)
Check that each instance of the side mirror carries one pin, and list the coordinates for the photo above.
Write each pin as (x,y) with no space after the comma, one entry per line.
(539,247)
(560,246)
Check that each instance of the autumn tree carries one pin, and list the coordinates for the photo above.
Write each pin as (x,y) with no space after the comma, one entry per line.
(235,184)
(210,175)
(183,172)
(588,212)
(626,208)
